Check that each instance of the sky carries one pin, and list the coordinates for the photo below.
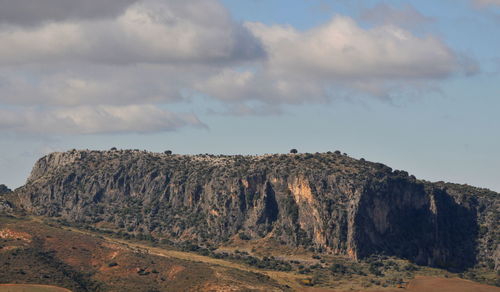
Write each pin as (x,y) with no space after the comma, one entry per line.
(412,84)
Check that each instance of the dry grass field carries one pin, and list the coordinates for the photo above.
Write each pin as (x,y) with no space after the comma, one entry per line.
(34,253)
(30,288)
(427,284)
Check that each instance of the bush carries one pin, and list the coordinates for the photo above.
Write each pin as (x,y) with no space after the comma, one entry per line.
(375,270)
(411,267)
(243,236)
(338,269)
(4,189)
(294,151)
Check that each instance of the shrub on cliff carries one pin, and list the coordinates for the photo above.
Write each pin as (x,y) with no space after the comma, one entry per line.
(338,268)
(243,236)
(4,189)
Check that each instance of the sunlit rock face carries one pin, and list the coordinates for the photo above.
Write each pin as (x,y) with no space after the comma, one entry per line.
(329,202)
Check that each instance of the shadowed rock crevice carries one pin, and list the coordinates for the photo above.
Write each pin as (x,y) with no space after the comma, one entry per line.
(425,226)
(270,209)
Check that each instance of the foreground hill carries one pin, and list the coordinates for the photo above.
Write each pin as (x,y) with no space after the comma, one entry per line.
(33,252)
(36,251)
(327,203)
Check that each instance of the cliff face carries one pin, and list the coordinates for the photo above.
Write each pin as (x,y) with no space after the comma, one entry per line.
(329,202)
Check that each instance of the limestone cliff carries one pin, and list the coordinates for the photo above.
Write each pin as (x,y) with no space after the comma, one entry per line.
(328,201)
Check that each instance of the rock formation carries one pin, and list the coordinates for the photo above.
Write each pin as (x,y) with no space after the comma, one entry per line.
(4,189)
(326,201)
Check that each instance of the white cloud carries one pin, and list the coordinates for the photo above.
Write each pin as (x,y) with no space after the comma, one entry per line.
(95,120)
(33,12)
(79,67)
(79,70)
(195,31)
(234,86)
(338,58)
(342,49)
(93,85)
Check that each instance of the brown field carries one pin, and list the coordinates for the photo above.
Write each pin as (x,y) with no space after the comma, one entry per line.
(37,252)
(433,284)
(81,262)
(30,288)
(427,284)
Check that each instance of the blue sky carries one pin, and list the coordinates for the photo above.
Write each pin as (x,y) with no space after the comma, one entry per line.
(412,84)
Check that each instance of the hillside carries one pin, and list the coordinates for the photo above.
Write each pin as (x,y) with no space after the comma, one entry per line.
(36,252)
(327,203)
(33,252)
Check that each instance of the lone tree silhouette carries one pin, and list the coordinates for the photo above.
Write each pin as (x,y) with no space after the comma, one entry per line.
(294,151)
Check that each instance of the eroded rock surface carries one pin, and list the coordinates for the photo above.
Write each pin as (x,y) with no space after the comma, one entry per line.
(328,201)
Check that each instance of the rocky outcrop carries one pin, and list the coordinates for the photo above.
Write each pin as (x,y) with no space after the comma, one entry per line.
(329,202)
(4,190)
(5,205)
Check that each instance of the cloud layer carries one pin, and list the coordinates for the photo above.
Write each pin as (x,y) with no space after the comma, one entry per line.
(338,57)
(34,12)
(66,68)
(192,31)
(95,120)
(114,66)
